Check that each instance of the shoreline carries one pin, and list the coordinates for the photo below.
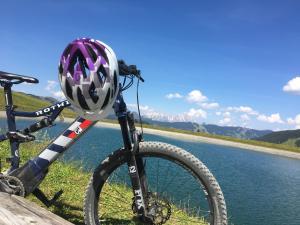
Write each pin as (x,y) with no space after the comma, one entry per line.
(190,137)
(208,140)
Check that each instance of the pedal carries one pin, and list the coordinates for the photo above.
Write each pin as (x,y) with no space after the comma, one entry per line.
(42,197)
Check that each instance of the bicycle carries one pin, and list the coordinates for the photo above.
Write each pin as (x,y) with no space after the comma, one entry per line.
(140,183)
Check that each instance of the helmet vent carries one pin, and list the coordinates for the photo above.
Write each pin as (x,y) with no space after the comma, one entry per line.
(81,100)
(67,50)
(78,66)
(60,68)
(93,93)
(106,99)
(115,82)
(69,90)
(102,53)
(91,53)
(101,73)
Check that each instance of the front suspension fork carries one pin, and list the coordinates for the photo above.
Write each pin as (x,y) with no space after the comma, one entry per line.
(131,139)
(135,167)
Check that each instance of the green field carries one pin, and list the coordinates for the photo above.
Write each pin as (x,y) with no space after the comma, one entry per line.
(28,103)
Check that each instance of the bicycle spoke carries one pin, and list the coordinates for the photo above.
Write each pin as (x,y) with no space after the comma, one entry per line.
(187,221)
(115,212)
(114,197)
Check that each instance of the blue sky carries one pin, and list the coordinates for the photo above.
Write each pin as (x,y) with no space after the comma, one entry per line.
(223,62)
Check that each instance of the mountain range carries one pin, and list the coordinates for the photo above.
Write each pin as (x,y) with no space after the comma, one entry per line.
(237,132)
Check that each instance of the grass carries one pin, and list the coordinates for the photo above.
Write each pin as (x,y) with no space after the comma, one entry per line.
(291,142)
(73,180)
(28,103)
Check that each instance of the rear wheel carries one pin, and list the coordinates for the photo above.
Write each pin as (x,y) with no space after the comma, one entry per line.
(181,190)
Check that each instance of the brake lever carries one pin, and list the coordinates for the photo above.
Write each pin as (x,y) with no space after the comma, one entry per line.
(131,69)
(139,76)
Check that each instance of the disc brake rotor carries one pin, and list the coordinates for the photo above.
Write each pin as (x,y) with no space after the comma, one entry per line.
(159,209)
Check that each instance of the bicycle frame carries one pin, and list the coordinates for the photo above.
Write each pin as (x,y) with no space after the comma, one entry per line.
(33,171)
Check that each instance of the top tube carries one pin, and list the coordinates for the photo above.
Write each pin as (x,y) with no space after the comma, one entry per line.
(44,111)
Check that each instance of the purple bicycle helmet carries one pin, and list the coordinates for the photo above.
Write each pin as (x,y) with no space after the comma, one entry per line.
(89,74)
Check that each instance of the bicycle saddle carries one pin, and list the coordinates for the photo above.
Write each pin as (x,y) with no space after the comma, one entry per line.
(21,78)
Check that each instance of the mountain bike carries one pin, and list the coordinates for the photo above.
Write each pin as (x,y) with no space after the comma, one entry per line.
(142,182)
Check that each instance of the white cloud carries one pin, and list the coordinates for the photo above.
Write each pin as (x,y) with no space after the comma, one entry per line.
(213,105)
(225,121)
(278,129)
(245,117)
(243,109)
(295,121)
(196,113)
(293,86)
(226,114)
(290,121)
(148,112)
(52,87)
(191,115)
(173,95)
(273,118)
(218,113)
(196,96)
(59,94)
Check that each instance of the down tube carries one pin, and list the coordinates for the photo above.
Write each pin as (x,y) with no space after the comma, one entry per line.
(65,140)
(34,171)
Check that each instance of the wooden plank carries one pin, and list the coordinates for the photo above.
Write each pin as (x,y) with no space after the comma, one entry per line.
(15,210)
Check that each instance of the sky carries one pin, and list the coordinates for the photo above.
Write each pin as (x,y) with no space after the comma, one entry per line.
(233,63)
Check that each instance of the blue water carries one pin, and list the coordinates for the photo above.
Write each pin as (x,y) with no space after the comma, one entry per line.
(259,188)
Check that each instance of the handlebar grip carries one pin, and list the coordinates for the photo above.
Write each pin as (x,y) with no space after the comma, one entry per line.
(127,70)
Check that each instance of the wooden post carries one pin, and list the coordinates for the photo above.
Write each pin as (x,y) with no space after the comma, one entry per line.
(15,210)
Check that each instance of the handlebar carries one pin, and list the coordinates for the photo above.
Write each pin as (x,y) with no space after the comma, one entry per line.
(129,70)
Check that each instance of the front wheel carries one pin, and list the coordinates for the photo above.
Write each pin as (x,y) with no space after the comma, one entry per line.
(181,190)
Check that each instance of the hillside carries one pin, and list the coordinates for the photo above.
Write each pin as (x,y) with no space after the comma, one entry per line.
(29,103)
(236,132)
(288,137)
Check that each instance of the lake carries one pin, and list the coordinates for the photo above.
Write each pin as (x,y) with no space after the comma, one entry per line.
(259,188)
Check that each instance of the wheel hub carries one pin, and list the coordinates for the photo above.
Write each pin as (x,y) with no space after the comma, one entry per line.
(159,210)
